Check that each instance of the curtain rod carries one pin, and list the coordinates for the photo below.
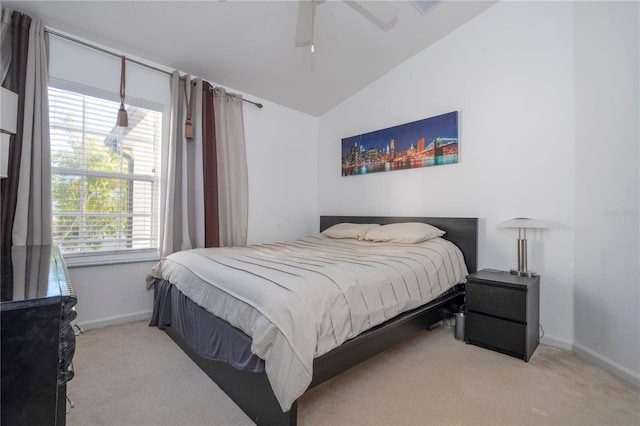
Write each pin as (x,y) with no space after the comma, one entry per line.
(109,52)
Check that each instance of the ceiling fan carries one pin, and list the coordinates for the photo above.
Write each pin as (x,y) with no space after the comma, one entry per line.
(381,13)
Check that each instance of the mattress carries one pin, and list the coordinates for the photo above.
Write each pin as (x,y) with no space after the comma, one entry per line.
(298,300)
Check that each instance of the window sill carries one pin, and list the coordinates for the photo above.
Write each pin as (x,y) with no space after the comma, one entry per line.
(86,261)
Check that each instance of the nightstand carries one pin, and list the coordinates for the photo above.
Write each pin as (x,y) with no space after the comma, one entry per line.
(502,312)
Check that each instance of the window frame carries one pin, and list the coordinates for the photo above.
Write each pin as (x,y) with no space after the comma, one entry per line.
(117,256)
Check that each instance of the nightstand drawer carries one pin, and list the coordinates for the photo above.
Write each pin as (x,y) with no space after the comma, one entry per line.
(498,301)
(500,335)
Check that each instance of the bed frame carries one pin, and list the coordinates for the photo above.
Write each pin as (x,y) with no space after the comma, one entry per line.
(252,391)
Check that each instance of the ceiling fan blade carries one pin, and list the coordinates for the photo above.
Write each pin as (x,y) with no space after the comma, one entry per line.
(383,11)
(304,29)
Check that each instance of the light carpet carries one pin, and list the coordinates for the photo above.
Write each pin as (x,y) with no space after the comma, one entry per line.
(133,374)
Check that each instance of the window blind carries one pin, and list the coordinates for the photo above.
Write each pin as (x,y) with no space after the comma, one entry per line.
(105,178)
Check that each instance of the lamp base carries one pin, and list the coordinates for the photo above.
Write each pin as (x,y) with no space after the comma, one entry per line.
(527,274)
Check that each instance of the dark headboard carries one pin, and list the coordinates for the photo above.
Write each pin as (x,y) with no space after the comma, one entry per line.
(462,231)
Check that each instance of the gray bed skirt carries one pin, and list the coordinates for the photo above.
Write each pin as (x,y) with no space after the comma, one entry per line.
(208,335)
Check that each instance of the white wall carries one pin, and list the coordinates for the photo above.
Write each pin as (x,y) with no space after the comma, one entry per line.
(281,152)
(111,294)
(509,73)
(607,288)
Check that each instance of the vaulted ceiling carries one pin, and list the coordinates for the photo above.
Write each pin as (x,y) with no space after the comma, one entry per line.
(249,46)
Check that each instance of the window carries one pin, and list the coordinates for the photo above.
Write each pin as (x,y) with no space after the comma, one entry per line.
(104,178)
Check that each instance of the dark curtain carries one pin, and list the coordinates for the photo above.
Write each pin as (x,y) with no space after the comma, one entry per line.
(210,169)
(14,81)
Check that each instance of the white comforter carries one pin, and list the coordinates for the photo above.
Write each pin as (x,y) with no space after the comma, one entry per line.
(299,300)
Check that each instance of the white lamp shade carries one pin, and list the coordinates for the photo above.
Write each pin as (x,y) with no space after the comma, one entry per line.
(522,222)
(9,111)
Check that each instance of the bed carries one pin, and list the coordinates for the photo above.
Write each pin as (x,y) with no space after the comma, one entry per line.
(311,340)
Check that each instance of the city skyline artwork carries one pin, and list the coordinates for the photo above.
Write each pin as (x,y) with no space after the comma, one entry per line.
(428,142)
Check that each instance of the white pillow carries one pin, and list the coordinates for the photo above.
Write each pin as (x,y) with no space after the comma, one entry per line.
(349,230)
(407,232)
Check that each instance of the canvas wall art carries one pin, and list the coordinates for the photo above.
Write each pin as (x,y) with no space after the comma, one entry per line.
(432,141)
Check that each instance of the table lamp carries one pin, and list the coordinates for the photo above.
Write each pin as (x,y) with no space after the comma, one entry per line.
(522,223)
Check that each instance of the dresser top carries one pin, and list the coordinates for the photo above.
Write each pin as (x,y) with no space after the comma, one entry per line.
(33,275)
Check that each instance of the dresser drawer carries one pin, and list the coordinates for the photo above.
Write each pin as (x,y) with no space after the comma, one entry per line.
(499,301)
(500,335)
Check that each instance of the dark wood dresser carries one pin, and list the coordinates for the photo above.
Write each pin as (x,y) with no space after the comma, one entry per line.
(37,339)
(502,312)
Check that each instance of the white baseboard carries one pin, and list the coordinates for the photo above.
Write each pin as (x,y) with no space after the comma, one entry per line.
(596,359)
(608,365)
(122,319)
(557,343)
